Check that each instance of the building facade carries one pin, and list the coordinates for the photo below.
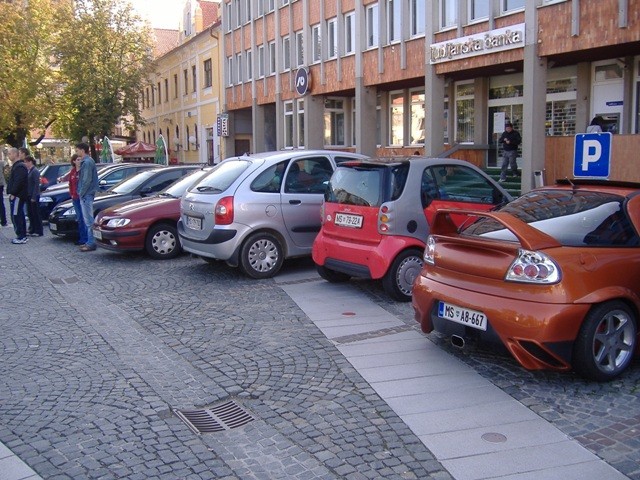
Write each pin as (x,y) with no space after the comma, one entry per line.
(182,99)
(437,77)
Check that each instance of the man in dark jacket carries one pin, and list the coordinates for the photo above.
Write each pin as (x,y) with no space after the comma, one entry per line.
(17,190)
(510,140)
(33,200)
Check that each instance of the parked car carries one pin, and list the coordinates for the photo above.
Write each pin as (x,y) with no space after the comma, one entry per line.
(50,173)
(553,276)
(109,174)
(64,222)
(255,211)
(376,216)
(147,223)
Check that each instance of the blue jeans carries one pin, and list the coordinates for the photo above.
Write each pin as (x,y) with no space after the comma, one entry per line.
(82,228)
(86,204)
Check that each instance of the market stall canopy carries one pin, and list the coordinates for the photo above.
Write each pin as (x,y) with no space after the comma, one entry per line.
(138,149)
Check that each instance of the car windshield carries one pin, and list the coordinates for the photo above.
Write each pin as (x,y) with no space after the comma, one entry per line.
(128,185)
(177,188)
(365,184)
(580,218)
(221,177)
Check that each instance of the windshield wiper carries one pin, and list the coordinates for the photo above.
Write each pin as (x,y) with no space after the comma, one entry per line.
(166,194)
(209,189)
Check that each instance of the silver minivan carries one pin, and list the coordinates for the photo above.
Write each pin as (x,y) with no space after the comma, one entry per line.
(254,211)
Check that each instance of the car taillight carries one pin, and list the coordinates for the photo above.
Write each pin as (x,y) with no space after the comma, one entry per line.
(224,211)
(430,251)
(533,267)
(384,219)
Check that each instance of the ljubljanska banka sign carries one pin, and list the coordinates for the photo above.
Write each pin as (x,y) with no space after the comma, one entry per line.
(479,44)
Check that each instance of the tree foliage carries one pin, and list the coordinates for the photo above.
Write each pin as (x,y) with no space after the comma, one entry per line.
(29,93)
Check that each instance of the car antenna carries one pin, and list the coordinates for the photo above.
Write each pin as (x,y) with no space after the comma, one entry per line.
(573,185)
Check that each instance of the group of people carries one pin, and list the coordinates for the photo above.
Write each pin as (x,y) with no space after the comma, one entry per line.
(23,189)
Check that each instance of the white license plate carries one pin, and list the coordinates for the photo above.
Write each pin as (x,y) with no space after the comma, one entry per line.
(97,234)
(463,316)
(53,227)
(348,220)
(194,223)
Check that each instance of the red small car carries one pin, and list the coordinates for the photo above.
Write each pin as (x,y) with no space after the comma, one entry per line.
(553,276)
(376,215)
(147,223)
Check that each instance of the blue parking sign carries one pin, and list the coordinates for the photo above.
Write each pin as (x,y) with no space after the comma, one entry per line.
(592,155)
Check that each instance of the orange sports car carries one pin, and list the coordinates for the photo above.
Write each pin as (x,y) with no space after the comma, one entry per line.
(554,276)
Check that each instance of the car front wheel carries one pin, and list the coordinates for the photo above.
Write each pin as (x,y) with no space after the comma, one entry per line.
(261,256)
(606,342)
(162,242)
(398,281)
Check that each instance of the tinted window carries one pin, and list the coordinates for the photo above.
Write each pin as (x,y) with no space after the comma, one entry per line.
(356,186)
(270,180)
(177,188)
(578,218)
(308,175)
(463,184)
(130,184)
(221,177)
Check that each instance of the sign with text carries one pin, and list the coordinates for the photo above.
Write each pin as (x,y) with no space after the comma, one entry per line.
(592,155)
(222,125)
(303,81)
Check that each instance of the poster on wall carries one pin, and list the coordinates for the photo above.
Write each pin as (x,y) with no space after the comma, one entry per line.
(498,122)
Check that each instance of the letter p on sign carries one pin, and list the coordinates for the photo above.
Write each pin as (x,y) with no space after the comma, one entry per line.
(592,155)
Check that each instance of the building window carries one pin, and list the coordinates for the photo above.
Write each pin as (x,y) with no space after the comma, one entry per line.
(299,49)
(396,119)
(288,124)
(159,94)
(349,33)
(229,71)
(372,31)
(249,56)
(271,5)
(175,85)
(147,101)
(272,58)
(449,13)
(417,117)
(478,10)
(187,139)
(239,66)
(332,38)
(286,53)
(561,106)
(394,20)
(153,96)
(260,61)
(247,10)
(508,5)
(228,16)
(194,83)
(333,122)
(208,74)
(417,17)
(300,114)
(445,119)
(238,12)
(185,74)
(315,43)
(465,111)
(166,89)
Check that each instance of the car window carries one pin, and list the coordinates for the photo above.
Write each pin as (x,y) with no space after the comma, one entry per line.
(428,188)
(130,184)
(158,182)
(270,180)
(356,186)
(463,184)
(308,175)
(578,218)
(221,177)
(117,175)
(177,188)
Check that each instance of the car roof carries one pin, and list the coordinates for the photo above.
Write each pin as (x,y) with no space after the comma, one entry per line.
(597,185)
(287,154)
(413,159)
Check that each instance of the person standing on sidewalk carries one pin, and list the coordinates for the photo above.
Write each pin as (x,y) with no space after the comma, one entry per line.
(17,190)
(510,140)
(33,194)
(74,175)
(3,211)
(87,188)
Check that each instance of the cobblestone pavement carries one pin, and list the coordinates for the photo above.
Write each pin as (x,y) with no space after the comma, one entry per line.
(98,348)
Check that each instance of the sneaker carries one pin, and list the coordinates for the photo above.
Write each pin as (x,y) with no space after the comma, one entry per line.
(34,234)
(502,180)
(19,241)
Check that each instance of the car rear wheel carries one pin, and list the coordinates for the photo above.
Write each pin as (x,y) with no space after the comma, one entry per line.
(331,275)
(162,242)
(261,256)
(398,281)
(606,342)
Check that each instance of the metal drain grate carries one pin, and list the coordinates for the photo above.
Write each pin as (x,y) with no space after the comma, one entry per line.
(225,416)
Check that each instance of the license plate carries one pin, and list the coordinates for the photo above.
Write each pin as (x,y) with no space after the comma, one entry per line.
(194,223)
(97,234)
(348,220)
(463,316)
(53,227)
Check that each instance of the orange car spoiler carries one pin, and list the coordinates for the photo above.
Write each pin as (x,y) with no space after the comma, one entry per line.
(529,237)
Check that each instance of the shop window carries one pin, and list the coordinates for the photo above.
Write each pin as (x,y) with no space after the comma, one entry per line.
(417,117)
(507,91)
(288,124)
(396,119)
(300,114)
(334,117)
(465,111)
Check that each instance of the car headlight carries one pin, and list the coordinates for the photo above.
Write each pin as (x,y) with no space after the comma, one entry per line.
(71,212)
(46,200)
(118,222)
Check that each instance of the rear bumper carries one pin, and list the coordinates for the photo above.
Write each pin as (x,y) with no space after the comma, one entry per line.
(220,244)
(538,335)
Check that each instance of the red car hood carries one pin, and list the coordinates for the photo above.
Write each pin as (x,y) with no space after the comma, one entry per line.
(144,206)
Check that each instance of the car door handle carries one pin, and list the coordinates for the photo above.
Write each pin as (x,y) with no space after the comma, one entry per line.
(295,202)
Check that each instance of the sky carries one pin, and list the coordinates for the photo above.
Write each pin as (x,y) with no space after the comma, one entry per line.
(161,13)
